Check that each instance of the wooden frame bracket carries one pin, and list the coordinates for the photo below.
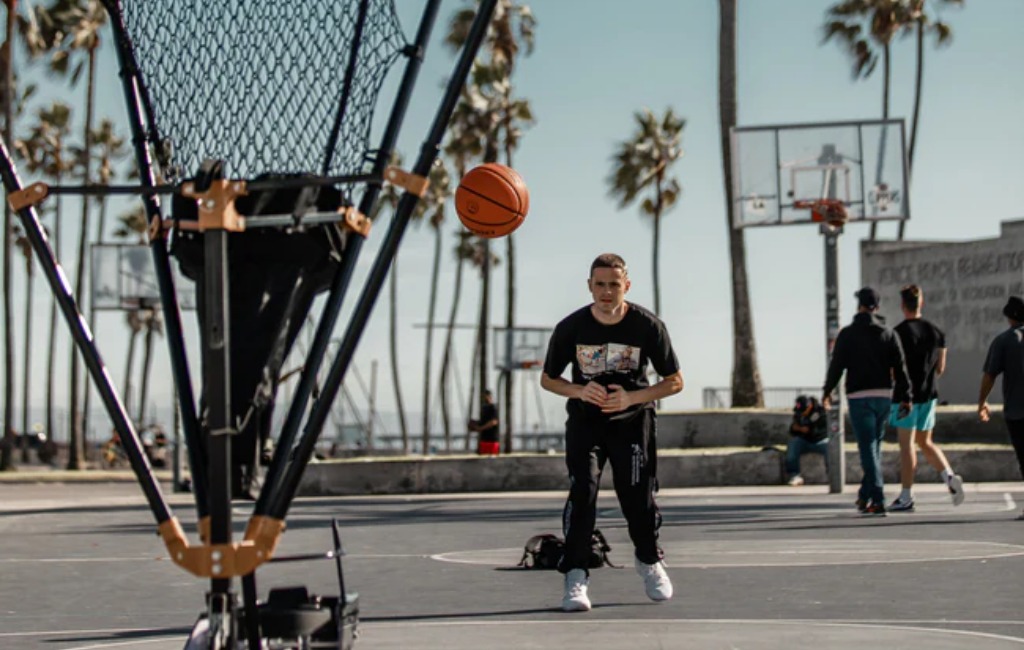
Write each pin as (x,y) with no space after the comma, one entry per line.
(223,560)
(407,181)
(354,220)
(29,196)
(217,205)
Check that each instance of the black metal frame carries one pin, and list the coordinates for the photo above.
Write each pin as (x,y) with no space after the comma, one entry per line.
(211,467)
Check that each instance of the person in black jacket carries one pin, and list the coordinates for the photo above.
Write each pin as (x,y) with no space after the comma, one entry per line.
(872,358)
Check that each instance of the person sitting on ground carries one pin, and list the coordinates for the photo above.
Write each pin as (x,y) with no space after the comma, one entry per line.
(809,431)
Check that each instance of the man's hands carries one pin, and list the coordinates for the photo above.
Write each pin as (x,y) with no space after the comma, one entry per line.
(904,410)
(983,412)
(826,401)
(612,399)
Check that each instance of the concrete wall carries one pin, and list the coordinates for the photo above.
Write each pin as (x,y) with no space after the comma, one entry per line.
(691,468)
(965,287)
(759,427)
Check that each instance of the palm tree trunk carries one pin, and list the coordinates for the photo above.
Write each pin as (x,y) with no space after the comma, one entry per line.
(447,358)
(76,447)
(510,288)
(51,351)
(918,82)
(147,358)
(6,447)
(473,378)
(484,318)
(887,72)
(656,247)
(510,323)
(100,226)
(27,369)
(393,341)
(435,273)
(129,362)
(746,377)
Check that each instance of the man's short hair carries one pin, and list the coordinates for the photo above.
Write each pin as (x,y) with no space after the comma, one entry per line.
(609,261)
(910,296)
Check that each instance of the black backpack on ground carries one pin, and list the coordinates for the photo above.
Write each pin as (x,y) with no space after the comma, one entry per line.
(545,551)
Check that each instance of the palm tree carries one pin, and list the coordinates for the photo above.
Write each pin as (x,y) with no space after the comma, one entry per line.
(512,28)
(463,251)
(45,153)
(863,25)
(23,245)
(81,21)
(390,196)
(7,74)
(642,166)
(746,376)
(432,207)
(943,36)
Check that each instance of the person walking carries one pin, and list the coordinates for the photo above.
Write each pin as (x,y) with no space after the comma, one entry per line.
(876,376)
(610,406)
(924,348)
(1006,358)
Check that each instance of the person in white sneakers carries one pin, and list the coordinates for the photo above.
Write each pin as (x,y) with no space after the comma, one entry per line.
(924,347)
(609,344)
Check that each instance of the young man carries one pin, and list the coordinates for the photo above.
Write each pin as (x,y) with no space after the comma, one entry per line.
(809,431)
(924,348)
(1006,358)
(870,355)
(488,443)
(611,418)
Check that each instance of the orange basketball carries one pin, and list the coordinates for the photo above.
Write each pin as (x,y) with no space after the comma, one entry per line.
(492,200)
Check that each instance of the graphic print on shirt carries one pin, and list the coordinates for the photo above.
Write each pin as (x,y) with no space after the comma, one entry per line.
(596,360)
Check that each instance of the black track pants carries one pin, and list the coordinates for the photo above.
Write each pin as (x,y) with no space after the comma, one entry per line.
(1016,429)
(631,448)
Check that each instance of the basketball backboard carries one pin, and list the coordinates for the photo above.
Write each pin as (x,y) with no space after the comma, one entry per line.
(520,348)
(123,278)
(779,169)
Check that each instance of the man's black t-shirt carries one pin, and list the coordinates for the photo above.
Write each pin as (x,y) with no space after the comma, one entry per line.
(921,341)
(488,412)
(610,354)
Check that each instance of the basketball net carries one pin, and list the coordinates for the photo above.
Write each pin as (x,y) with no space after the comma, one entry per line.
(830,211)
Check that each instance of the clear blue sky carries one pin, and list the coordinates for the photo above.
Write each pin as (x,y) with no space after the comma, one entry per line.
(596,63)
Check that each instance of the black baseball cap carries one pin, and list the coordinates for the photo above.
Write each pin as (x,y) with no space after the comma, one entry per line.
(868,298)
(1014,309)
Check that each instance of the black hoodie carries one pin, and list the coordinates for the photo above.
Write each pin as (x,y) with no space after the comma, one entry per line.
(872,357)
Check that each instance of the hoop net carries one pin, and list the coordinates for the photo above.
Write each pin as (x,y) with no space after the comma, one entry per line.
(266,86)
(830,211)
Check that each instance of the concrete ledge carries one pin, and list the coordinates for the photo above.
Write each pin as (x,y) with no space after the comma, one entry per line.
(762,427)
(676,468)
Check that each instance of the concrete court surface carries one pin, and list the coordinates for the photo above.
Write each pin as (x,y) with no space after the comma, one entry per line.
(754,568)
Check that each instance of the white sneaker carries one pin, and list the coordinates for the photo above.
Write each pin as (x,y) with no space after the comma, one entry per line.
(656,581)
(956,489)
(575,598)
(796,480)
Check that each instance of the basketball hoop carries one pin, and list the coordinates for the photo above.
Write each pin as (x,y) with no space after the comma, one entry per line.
(830,211)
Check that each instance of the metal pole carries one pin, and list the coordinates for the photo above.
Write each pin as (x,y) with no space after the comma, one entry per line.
(836,453)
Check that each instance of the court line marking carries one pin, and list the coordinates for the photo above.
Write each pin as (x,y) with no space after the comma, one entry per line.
(1016,552)
(908,624)
(889,625)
